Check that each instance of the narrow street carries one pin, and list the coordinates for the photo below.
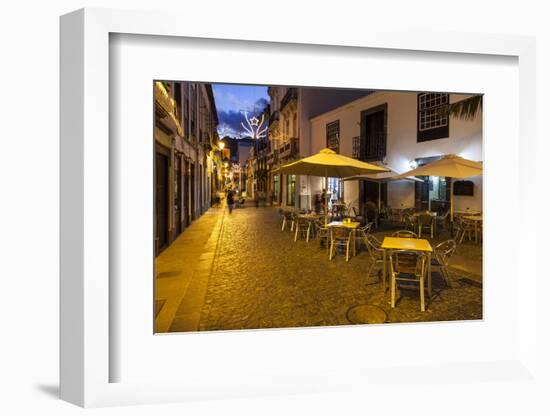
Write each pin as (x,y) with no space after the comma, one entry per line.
(240,271)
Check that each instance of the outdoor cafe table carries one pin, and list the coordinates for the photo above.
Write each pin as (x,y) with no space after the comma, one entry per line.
(411,244)
(353,225)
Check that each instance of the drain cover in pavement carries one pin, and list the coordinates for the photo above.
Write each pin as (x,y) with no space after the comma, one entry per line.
(367,314)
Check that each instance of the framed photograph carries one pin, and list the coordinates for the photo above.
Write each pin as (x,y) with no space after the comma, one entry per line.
(292,214)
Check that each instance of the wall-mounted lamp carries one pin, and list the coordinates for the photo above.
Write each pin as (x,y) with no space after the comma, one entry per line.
(413,164)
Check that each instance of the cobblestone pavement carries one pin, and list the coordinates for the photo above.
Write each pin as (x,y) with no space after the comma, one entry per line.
(261,278)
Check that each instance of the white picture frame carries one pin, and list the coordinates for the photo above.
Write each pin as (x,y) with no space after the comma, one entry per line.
(86,355)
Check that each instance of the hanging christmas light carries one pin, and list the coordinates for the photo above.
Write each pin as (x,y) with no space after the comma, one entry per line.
(255,129)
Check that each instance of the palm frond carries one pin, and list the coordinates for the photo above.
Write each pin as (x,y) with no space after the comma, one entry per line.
(464,109)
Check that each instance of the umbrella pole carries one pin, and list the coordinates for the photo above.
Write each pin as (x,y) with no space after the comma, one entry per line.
(379,192)
(326,200)
(452,199)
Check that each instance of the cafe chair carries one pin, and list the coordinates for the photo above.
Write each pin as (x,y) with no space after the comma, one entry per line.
(376,254)
(288,217)
(302,227)
(339,237)
(408,269)
(442,255)
(362,233)
(404,234)
(425,221)
(441,221)
(322,233)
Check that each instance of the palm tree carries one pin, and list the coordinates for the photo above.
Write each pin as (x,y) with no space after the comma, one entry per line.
(465,109)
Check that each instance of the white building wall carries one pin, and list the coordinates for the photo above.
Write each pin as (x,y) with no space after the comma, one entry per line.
(465,139)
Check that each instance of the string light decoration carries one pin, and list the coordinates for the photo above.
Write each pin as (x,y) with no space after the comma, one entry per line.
(255,129)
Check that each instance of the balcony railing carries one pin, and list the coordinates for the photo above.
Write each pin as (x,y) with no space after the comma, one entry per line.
(289,149)
(167,106)
(356,149)
(291,95)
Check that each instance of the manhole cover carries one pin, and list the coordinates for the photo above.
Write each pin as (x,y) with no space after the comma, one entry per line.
(367,314)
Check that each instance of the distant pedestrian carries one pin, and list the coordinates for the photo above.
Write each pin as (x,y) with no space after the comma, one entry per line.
(230,200)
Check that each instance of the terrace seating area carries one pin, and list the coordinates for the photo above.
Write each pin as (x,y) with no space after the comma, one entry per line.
(404,249)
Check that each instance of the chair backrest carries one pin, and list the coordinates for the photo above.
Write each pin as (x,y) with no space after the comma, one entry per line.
(364,231)
(404,234)
(340,232)
(425,219)
(374,247)
(406,261)
(445,250)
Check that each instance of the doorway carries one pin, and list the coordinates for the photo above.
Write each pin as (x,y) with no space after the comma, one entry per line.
(161,199)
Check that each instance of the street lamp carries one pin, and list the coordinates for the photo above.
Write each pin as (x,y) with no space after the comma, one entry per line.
(221,145)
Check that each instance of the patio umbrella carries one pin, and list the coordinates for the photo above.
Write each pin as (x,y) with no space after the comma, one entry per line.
(382,177)
(452,166)
(328,163)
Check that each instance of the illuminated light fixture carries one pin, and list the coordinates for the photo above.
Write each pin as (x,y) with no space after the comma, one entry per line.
(413,164)
(255,129)
(221,145)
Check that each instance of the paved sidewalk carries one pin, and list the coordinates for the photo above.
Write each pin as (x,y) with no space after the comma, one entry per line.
(182,272)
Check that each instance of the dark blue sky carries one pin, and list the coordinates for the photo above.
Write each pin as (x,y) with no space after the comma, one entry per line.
(231,102)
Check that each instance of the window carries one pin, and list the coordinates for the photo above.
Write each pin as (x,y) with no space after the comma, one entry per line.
(431,125)
(276,186)
(193,115)
(335,190)
(333,136)
(186,109)
(290,189)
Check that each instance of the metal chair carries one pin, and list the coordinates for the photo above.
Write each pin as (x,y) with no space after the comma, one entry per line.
(322,233)
(442,220)
(407,267)
(302,227)
(376,254)
(288,217)
(425,221)
(362,233)
(464,227)
(404,234)
(442,255)
(339,237)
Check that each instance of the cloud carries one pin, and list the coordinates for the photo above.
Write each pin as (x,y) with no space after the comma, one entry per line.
(230,120)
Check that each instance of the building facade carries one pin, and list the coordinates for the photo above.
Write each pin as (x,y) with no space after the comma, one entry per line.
(290,136)
(400,130)
(187,163)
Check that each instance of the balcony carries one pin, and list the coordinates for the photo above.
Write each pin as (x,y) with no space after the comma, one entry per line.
(165,107)
(290,149)
(273,117)
(290,97)
(272,158)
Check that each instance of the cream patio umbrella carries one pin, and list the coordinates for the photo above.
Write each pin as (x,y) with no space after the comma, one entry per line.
(452,166)
(328,164)
(380,178)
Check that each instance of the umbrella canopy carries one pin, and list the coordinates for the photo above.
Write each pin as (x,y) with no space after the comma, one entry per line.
(327,163)
(452,166)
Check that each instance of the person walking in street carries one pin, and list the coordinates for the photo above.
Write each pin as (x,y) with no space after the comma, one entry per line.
(230,200)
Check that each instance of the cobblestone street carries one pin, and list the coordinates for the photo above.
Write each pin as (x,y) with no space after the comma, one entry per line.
(260,278)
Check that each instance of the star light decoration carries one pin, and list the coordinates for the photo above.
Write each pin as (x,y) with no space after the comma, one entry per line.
(255,127)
